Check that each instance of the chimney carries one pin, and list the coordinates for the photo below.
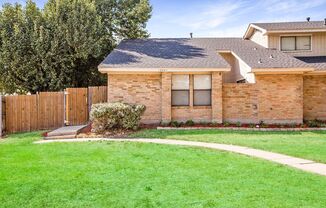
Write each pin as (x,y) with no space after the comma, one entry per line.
(191,35)
(308,19)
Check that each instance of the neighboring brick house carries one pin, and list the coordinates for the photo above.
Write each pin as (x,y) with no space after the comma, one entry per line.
(276,73)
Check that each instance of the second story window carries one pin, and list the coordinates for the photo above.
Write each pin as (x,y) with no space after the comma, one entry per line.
(180,90)
(295,43)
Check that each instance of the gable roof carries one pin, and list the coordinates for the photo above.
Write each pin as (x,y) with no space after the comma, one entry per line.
(280,26)
(195,53)
(163,53)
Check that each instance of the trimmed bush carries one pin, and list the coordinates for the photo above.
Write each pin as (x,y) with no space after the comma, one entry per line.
(190,123)
(175,124)
(108,116)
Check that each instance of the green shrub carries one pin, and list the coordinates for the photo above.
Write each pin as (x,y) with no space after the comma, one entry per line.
(174,123)
(252,125)
(262,124)
(190,123)
(108,116)
(213,124)
(238,124)
(226,124)
(314,123)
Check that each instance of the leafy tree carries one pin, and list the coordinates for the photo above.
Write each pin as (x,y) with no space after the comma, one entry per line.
(62,45)
(18,60)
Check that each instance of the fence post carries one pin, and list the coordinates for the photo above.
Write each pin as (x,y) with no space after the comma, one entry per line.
(65,117)
(89,100)
(1,124)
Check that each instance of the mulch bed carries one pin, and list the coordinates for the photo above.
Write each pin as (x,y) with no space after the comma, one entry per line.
(240,128)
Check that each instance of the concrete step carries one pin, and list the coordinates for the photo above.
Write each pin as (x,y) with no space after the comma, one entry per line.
(68,136)
(66,130)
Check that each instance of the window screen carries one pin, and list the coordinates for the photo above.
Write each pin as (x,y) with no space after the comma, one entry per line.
(202,90)
(303,43)
(288,43)
(295,43)
(180,90)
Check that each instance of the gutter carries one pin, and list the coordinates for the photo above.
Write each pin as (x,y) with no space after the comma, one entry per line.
(281,70)
(293,31)
(104,69)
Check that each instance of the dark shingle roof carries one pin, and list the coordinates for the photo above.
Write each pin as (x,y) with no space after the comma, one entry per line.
(279,26)
(163,53)
(318,62)
(195,53)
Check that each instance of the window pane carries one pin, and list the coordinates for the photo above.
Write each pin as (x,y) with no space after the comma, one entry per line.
(180,97)
(202,82)
(303,43)
(202,97)
(180,82)
(288,43)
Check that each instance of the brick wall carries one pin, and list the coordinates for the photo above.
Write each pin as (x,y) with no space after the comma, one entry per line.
(195,113)
(138,88)
(240,103)
(217,91)
(166,97)
(314,102)
(280,98)
(273,99)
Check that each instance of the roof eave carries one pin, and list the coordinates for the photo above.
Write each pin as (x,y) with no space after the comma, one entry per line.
(106,69)
(282,70)
(317,72)
(295,31)
(252,27)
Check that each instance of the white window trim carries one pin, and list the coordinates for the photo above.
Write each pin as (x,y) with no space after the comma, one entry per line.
(295,35)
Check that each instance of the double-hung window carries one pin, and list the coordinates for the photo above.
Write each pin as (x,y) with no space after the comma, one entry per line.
(295,43)
(180,90)
(202,90)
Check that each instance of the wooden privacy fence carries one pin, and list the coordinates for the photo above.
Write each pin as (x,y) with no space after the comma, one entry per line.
(2,115)
(48,110)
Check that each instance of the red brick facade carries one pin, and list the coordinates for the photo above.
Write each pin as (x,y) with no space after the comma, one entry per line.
(143,89)
(272,99)
(314,94)
(280,98)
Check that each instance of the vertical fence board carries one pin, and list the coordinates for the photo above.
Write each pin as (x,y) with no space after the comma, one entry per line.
(1,116)
(50,109)
(77,110)
(98,94)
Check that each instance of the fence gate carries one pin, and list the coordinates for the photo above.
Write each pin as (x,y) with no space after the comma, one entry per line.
(76,106)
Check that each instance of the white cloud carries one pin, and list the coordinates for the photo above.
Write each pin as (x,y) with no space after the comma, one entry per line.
(218,18)
(291,6)
(209,16)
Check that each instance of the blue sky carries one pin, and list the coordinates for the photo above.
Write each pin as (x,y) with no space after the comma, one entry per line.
(221,18)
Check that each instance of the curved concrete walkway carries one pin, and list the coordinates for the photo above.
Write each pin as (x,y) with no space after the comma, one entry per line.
(302,164)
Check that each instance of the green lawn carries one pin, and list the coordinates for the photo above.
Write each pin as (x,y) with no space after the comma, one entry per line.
(309,145)
(108,174)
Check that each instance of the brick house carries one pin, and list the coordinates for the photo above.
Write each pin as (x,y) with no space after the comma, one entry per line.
(276,73)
